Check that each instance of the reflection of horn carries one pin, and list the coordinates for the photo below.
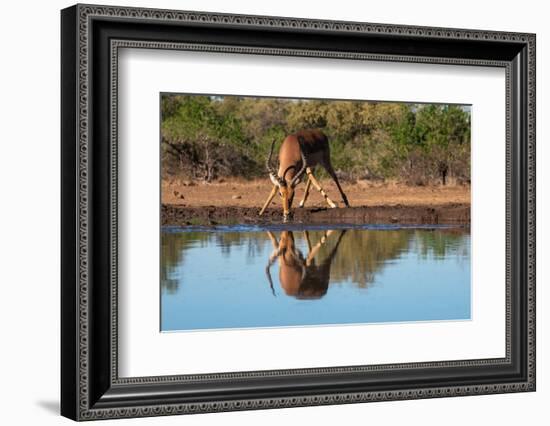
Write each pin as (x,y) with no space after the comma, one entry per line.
(272,260)
(269,279)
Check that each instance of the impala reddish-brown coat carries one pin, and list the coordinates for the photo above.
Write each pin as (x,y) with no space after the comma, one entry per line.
(299,153)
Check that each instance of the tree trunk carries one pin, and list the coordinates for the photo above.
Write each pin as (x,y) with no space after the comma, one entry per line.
(208,164)
(443,169)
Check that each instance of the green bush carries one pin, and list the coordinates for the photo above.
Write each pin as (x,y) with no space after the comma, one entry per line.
(210,137)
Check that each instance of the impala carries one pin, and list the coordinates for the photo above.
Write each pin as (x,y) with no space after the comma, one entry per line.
(298,155)
(300,276)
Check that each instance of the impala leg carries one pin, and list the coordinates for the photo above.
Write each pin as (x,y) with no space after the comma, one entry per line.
(308,241)
(271,195)
(313,251)
(306,193)
(333,176)
(319,188)
(273,239)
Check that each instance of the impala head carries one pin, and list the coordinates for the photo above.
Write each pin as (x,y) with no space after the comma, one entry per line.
(286,181)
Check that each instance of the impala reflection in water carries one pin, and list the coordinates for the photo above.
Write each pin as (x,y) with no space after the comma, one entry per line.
(246,277)
(300,276)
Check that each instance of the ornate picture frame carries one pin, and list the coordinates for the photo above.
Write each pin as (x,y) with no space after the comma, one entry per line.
(90,39)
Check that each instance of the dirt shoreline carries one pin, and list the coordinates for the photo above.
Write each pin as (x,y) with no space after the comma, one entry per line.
(238,202)
(442,214)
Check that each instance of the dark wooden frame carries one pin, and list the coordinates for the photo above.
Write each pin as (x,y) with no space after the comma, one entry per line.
(90,386)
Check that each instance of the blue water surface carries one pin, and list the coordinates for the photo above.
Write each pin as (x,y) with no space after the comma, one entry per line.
(249,277)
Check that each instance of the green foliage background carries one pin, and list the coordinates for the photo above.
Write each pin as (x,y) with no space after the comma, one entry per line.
(212,137)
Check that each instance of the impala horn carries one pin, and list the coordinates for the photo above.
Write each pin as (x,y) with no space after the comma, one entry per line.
(298,175)
(272,174)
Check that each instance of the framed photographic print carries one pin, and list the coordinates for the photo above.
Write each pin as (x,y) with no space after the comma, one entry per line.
(263,212)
